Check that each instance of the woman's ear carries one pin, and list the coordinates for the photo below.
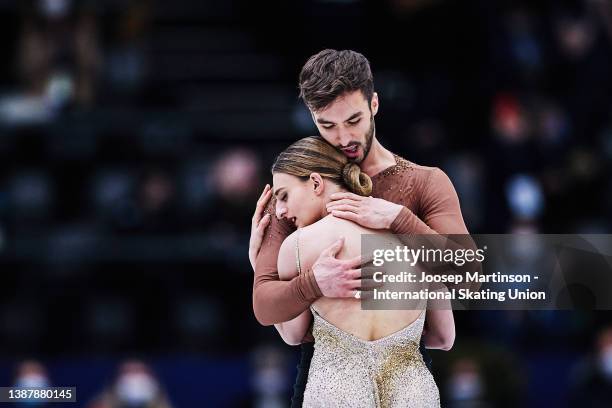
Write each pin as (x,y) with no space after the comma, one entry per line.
(317,183)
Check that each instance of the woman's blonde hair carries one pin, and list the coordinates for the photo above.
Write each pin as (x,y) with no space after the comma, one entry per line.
(313,154)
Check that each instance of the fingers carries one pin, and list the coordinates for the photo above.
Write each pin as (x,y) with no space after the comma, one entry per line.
(366,294)
(344,201)
(359,281)
(334,248)
(353,274)
(364,284)
(347,215)
(360,294)
(354,284)
(263,193)
(261,204)
(359,289)
(359,260)
(265,197)
(367,258)
(370,284)
(343,207)
(346,195)
(263,223)
(354,262)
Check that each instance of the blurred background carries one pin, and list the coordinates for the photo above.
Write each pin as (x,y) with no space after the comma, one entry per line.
(136,136)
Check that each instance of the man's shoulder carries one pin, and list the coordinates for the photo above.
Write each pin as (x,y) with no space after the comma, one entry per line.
(421,180)
(418,171)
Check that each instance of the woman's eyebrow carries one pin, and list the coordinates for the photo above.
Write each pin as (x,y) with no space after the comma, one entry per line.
(278,191)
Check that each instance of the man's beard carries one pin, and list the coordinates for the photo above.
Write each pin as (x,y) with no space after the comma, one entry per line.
(368,141)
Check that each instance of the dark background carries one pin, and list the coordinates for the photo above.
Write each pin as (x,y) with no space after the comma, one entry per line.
(136,136)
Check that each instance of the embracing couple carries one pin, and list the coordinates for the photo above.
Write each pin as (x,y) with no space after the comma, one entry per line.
(305,248)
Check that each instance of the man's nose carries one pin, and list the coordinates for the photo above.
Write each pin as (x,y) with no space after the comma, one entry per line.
(344,137)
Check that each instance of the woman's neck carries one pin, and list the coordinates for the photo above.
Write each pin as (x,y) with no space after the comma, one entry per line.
(330,189)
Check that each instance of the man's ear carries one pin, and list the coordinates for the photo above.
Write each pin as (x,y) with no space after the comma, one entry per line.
(374,104)
(317,183)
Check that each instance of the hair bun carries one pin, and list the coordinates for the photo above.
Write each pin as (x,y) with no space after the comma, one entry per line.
(356,181)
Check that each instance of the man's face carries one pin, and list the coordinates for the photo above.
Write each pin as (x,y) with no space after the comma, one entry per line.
(348,124)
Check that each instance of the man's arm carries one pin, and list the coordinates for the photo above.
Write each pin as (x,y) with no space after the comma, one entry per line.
(441,214)
(440,206)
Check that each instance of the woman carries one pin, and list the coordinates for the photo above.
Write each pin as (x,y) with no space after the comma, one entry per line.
(362,357)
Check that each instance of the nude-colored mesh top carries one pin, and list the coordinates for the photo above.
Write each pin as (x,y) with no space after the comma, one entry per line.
(430,205)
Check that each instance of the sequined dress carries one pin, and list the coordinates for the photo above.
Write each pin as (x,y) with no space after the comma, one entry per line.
(347,371)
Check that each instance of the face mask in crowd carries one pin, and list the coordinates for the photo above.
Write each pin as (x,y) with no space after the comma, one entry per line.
(136,389)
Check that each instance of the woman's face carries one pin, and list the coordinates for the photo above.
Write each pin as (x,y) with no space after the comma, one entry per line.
(300,202)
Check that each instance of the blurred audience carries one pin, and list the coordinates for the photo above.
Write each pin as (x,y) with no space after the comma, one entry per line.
(270,380)
(104,147)
(466,389)
(135,386)
(31,373)
(592,379)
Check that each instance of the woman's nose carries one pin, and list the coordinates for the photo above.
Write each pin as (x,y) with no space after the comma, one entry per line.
(280,212)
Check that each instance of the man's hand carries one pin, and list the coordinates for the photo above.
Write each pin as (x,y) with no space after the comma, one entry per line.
(340,278)
(259,224)
(369,212)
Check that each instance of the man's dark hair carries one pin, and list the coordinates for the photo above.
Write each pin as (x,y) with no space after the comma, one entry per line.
(331,73)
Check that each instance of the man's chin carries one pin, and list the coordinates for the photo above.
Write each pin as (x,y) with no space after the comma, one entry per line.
(356,160)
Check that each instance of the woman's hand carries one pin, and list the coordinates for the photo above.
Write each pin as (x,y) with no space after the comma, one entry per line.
(259,224)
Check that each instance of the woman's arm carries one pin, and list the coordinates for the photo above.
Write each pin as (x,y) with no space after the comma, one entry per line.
(439,330)
(293,331)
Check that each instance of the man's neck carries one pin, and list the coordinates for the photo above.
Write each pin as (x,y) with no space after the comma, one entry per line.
(377,160)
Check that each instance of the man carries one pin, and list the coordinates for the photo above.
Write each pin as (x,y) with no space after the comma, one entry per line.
(338,89)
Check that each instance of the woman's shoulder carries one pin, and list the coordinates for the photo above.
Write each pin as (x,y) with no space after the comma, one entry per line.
(334,227)
(286,257)
(325,232)
(290,242)
(308,242)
